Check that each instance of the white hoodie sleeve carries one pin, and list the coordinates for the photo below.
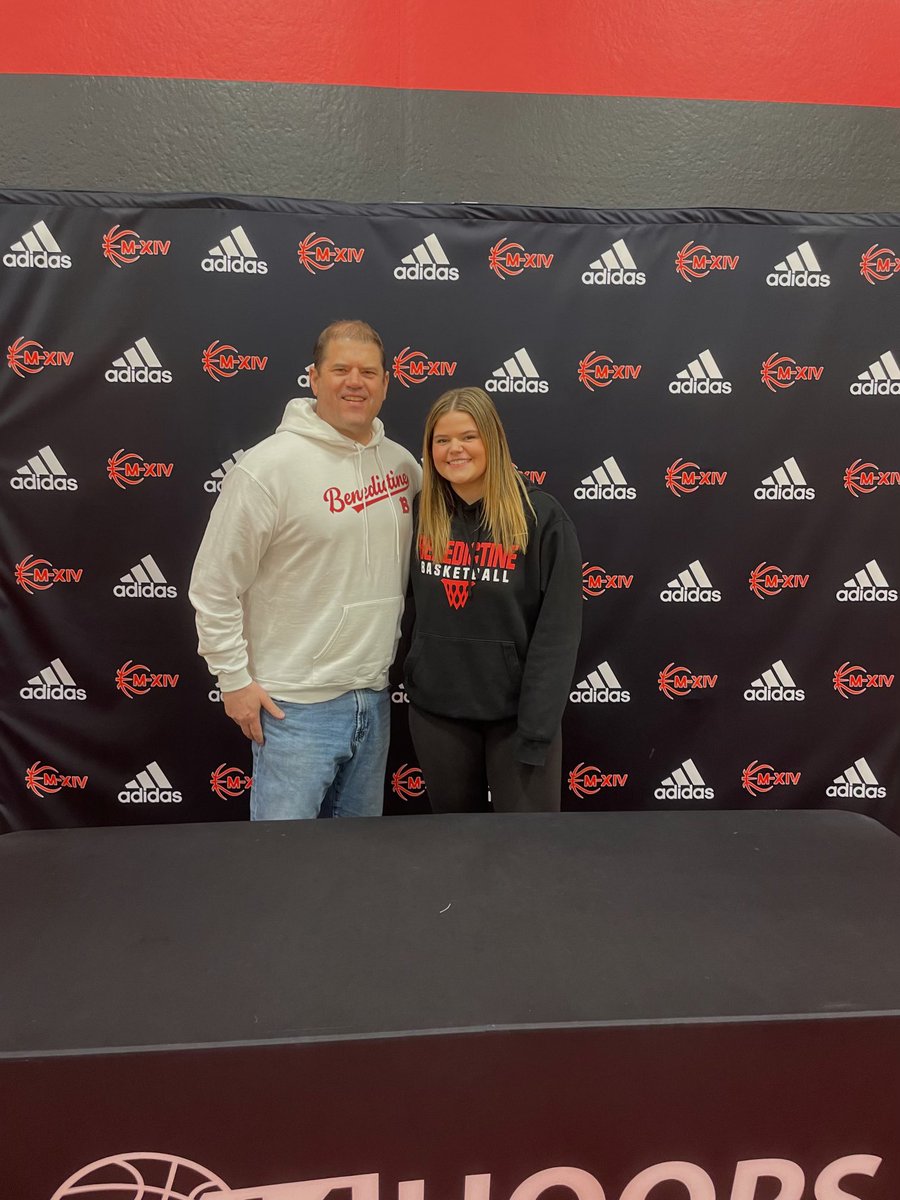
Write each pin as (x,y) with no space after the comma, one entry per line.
(237,536)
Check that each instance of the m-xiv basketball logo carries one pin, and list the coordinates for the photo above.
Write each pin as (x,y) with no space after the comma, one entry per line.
(229,782)
(127,468)
(677,682)
(414,366)
(878,264)
(595,581)
(860,478)
(44,780)
(407,782)
(854,680)
(759,777)
(223,362)
(37,574)
(586,780)
(30,358)
(781,371)
(135,679)
(766,580)
(599,371)
(682,477)
(320,253)
(123,246)
(694,261)
(511,258)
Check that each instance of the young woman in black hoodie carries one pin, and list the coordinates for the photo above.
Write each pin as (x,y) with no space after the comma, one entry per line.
(496,581)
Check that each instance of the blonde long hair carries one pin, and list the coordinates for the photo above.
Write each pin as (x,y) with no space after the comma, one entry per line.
(505,502)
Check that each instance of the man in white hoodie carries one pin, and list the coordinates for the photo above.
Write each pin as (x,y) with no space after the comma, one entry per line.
(299,583)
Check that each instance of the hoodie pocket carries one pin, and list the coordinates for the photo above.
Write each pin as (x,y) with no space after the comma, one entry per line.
(362,646)
(466,678)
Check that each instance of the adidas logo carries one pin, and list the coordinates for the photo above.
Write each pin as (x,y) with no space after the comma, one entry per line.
(145,581)
(37,248)
(774,684)
(857,783)
(149,786)
(43,473)
(880,378)
(234,255)
(600,687)
(691,586)
(427,261)
(138,364)
(685,783)
(701,377)
(867,584)
(800,269)
(518,374)
(615,266)
(214,483)
(605,482)
(785,483)
(53,683)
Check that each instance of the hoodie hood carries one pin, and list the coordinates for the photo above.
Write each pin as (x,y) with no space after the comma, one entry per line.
(300,418)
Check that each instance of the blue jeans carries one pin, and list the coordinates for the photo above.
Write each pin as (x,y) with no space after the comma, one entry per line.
(323,760)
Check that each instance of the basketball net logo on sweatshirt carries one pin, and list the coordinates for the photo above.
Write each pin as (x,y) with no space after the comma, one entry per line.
(378,488)
(464,565)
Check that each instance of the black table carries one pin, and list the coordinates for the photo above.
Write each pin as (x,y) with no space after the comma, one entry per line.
(645,1006)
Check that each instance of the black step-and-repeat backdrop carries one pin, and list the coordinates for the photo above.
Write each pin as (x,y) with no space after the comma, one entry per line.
(713,395)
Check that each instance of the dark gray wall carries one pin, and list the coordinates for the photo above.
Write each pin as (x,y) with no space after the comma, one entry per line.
(360,144)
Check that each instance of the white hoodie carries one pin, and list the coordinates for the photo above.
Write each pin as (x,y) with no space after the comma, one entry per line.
(300,577)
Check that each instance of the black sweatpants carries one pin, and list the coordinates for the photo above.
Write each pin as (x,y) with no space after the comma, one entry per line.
(462,759)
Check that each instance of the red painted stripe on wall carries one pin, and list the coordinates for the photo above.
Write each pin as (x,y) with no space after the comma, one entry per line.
(816,51)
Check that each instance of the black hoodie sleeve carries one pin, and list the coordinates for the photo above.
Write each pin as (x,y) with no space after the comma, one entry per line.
(550,661)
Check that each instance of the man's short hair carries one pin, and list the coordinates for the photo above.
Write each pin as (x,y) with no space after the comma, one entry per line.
(356,331)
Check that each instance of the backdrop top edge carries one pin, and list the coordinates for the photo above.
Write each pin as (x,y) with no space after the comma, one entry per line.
(460,210)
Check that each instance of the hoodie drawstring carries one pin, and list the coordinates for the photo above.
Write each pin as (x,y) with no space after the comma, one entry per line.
(362,490)
(391,506)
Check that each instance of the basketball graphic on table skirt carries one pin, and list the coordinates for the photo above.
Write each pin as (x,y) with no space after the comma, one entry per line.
(139,1176)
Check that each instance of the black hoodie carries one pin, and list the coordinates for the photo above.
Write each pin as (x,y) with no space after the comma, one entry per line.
(496,635)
